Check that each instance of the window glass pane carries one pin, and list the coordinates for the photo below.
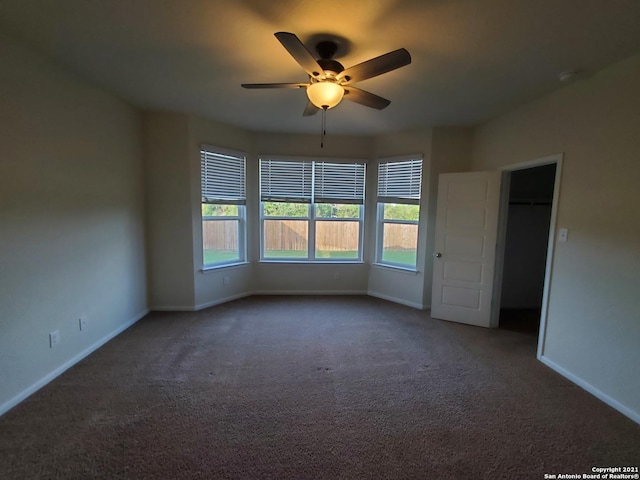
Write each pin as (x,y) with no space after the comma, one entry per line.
(282,209)
(332,210)
(220,241)
(399,211)
(210,210)
(337,239)
(286,238)
(400,242)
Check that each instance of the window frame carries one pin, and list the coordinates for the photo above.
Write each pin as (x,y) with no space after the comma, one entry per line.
(406,197)
(312,218)
(239,201)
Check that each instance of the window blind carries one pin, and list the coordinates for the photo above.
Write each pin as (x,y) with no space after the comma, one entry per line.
(286,181)
(400,181)
(339,183)
(222,177)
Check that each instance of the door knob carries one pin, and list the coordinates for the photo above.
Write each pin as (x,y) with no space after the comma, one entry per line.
(437,255)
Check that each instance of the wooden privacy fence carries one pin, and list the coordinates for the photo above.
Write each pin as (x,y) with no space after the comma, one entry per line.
(220,235)
(400,236)
(337,236)
(286,234)
(292,235)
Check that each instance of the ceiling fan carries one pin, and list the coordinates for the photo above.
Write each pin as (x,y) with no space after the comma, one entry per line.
(329,82)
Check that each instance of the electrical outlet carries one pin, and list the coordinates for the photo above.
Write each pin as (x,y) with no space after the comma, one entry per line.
(54,338)
(226,280)
(82,323)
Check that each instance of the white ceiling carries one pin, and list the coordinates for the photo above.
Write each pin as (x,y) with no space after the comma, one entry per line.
(472,59)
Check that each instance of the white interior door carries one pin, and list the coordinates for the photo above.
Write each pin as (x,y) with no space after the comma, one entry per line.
(465,247)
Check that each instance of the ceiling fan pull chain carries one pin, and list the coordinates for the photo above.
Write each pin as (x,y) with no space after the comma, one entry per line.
(324,123)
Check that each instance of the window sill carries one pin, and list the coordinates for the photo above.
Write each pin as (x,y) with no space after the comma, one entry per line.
(211,268)
(395,268)
(312,262)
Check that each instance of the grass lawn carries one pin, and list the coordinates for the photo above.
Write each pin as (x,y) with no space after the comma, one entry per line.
(404,257)
(342,254)
(218,256)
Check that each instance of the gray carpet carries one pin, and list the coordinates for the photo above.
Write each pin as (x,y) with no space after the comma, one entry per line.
(312,387)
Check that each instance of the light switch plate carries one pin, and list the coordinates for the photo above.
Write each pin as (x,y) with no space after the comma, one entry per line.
(563,235)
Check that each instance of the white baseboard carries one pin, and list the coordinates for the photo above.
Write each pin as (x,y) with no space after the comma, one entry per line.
(202,306)
(172,308)
(626,411)
(12,402)
(401,301)
(219,301)
(309,292)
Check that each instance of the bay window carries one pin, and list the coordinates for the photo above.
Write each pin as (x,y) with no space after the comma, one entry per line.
(311,210)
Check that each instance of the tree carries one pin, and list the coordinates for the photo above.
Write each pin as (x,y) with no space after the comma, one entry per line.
(216,210)
(399,211)
(282,209)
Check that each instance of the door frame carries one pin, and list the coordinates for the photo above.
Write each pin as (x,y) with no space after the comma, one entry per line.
(502,232)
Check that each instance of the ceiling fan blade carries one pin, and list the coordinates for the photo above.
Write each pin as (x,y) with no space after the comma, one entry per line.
(376,66)
(310,109)
(274,85)
(365,98)
(300,53)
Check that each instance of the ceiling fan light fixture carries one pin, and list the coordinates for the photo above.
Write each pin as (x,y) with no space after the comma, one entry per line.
(325,95)
(329,81)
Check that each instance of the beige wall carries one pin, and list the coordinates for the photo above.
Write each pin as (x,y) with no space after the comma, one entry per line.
(305,278)
(389,283)
(271,277)
(210,287)
(168,211)
(594,307)
(444,150)
(169,194)
(173,184)
(71,219)
(450,153)
(176,279)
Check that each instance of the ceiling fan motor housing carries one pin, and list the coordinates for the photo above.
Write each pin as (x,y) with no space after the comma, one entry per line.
(329,65)
(326,50)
